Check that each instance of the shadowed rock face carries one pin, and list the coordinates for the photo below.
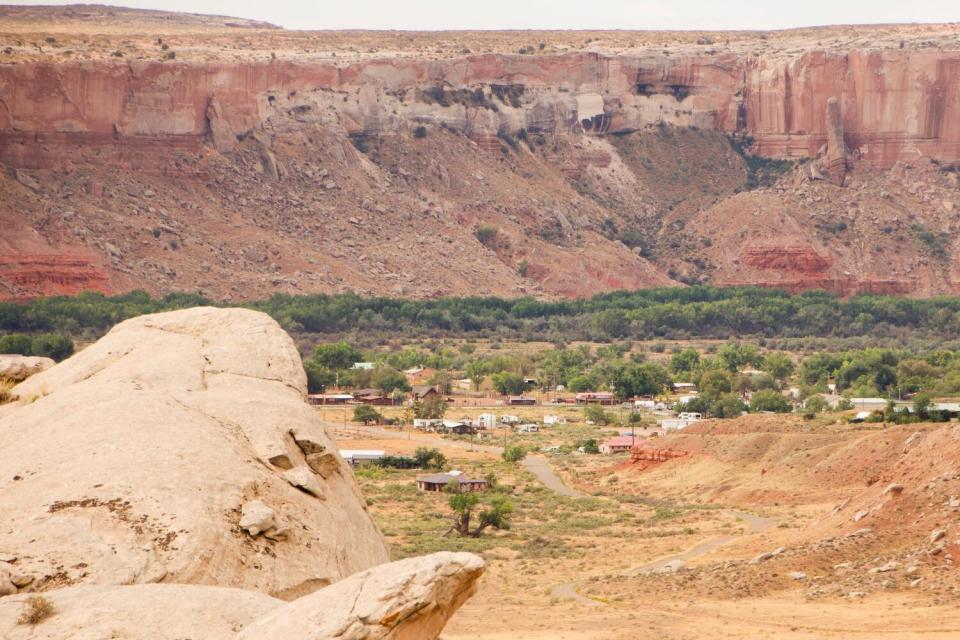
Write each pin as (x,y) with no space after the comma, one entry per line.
(134,460)
(406,600)
(836,156)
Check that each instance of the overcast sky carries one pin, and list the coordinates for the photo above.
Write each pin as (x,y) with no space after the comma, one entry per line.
(559,14)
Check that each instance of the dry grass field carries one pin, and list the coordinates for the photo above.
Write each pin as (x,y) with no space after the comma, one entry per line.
(578,567)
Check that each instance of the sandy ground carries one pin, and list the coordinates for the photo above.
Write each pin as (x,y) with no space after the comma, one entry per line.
(573,593)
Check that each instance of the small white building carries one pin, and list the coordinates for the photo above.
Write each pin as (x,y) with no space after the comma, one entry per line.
(486,421)
(528,428)
(675,424)
(357,457)
(427,424)
(506,419)
(869,404)
(649,405)
(554,420)
(366,366)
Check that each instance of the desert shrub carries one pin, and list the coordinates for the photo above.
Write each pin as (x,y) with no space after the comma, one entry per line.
(761,171)
(6,394)
(815,404)
(513,453)
(590,445)
(486,235)
(36,609)
(428,458)
(937,243)
(595,413)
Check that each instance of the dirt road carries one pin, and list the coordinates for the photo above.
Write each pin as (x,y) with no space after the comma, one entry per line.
(755,524)
(540,467)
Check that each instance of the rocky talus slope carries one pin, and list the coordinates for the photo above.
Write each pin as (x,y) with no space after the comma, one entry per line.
(880,508)
(174,472)
(239,160)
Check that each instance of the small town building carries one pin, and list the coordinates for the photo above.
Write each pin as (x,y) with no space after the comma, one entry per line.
(423,391)
(486,421)
(550,419)
(358,457)
(365,366)
(419,375)
(440,481)
(372,397)
(521,401)
(528,428)
(684,387)
(675,424)
(617,444)
(596,397)
(869,404)
(507,419)
(458,427)
(953,408)
(427,424)
(329,398)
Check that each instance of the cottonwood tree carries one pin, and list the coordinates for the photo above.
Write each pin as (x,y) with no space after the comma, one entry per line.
(432,407)
(496,515)
(365,413)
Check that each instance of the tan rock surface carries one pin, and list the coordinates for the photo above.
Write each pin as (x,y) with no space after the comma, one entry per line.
(17,368)
(409,599)
(131,461)
(405,600)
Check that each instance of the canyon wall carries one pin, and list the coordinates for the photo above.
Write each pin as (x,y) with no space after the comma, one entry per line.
(894,104)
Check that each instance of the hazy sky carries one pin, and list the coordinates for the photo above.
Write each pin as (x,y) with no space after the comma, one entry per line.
(559,14)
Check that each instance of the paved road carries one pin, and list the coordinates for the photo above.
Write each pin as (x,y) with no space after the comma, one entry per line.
(756,524)
(538,466)
(534,463)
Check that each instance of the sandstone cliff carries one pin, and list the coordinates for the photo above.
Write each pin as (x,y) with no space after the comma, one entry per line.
(307,162)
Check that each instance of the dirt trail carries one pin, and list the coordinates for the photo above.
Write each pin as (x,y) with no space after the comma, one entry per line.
(540,467)
(755,523)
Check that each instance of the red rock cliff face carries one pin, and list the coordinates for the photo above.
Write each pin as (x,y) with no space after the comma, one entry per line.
(893,104)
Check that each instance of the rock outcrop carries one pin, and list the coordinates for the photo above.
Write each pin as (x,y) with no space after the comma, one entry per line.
(891,105)
(364,168)
(17,368)
(135,460)
(406,600)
